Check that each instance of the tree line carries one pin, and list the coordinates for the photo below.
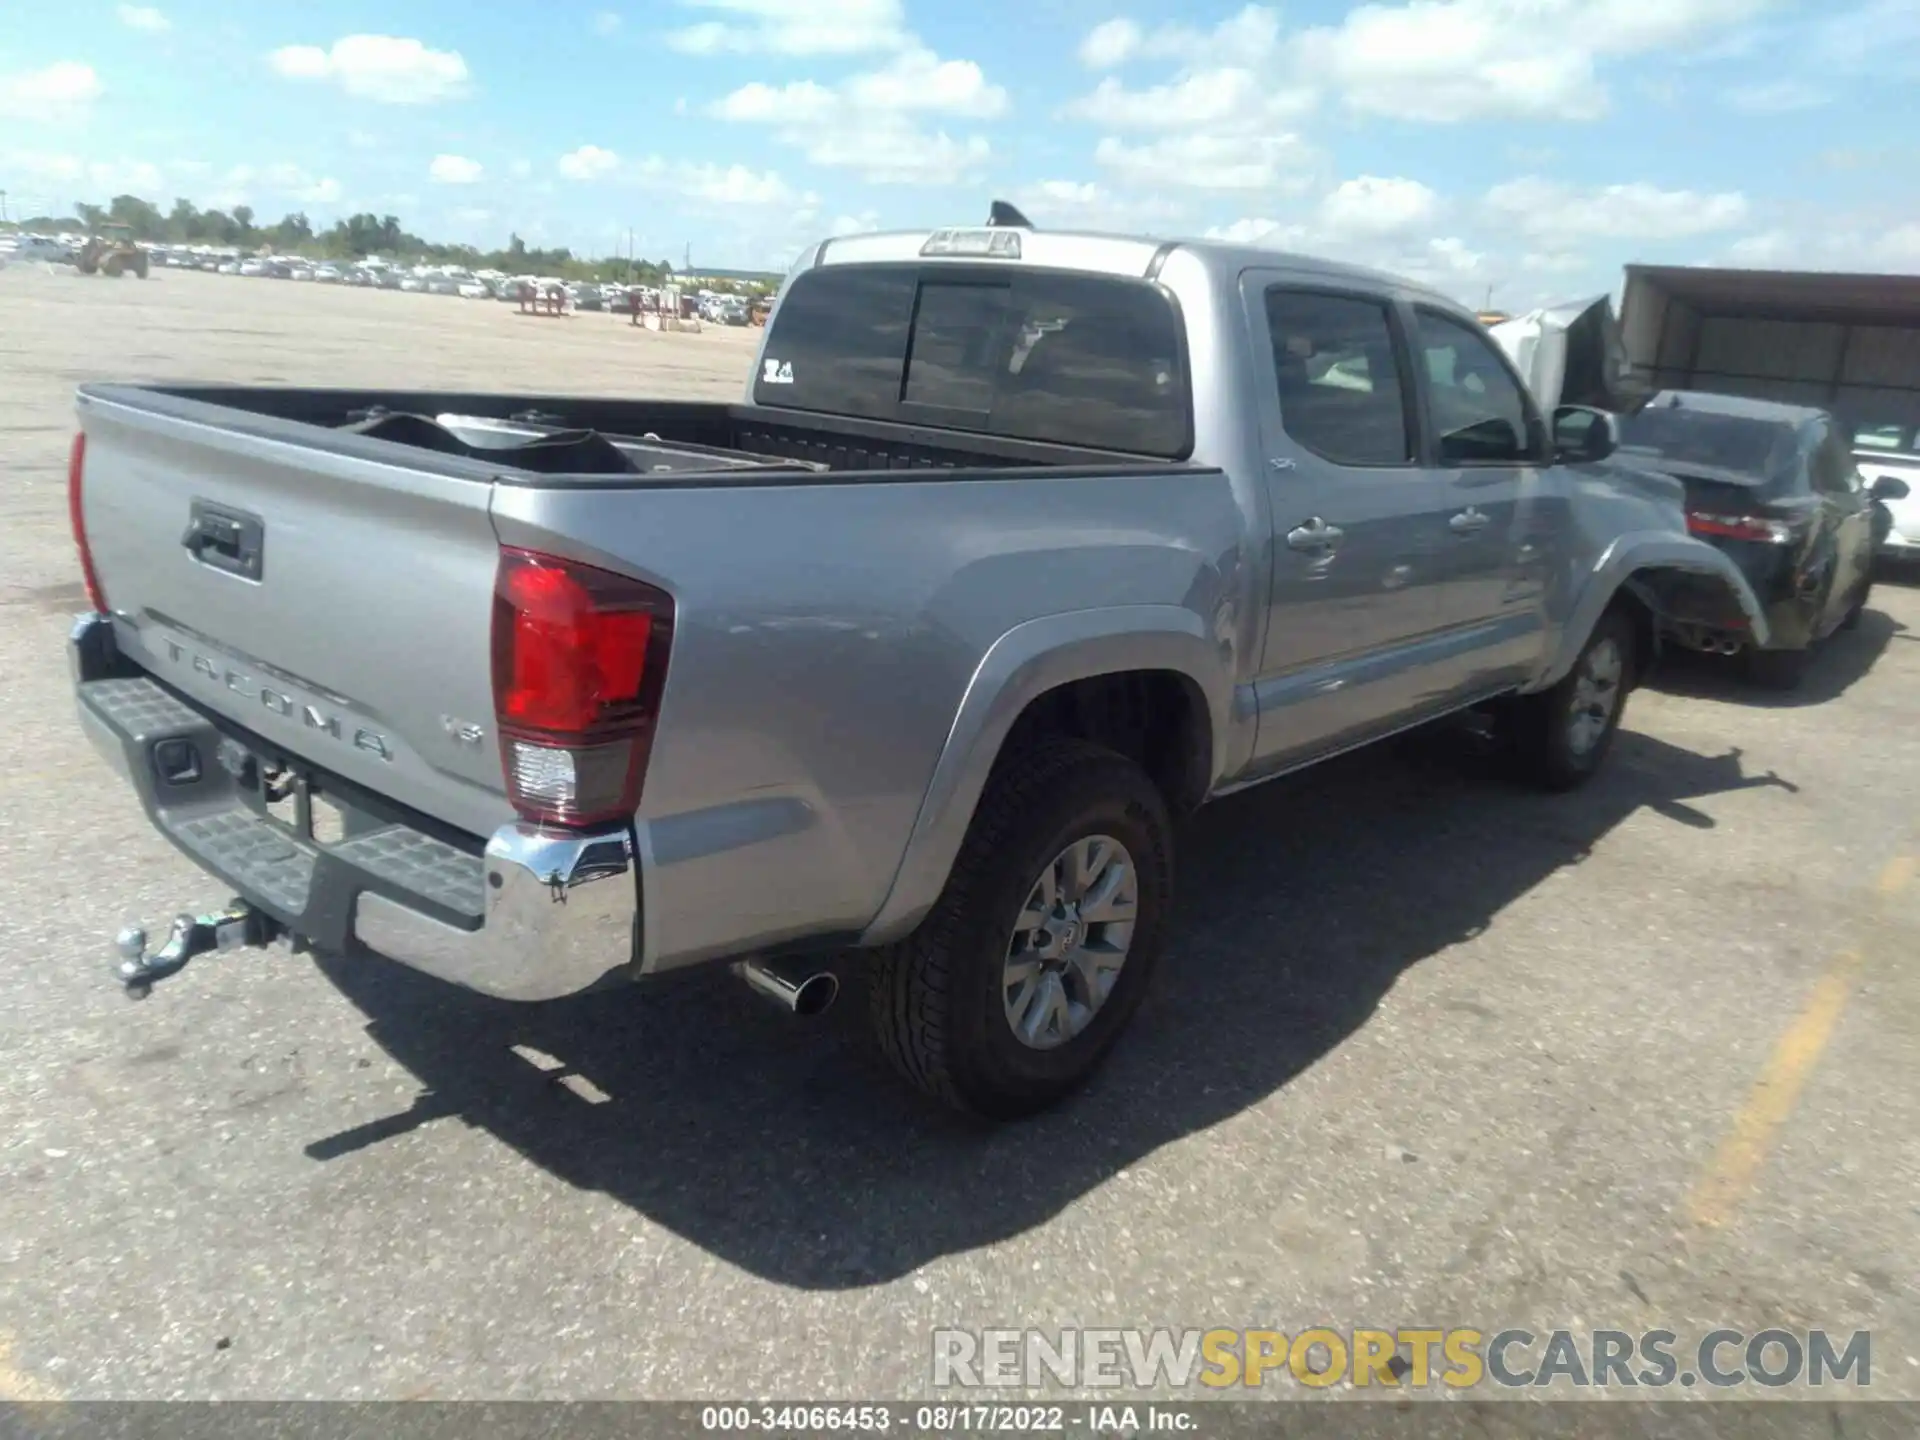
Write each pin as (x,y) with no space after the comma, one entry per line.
(356,237)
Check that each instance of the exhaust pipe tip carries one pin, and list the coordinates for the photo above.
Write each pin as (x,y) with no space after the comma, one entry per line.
(798,990)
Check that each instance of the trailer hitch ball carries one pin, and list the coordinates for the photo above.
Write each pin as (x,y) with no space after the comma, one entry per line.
(230,929)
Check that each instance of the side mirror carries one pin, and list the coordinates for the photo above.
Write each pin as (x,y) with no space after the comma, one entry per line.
(1582,434)
(1888,488)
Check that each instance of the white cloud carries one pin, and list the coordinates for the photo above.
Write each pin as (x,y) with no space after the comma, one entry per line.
(794,27)
(868,123)
(1548,211)
(520,169)
(1227,97)
(864,223)
(79,178)
(1248,36)
(1885,244)
(1223,121)
(1538,262)
(589,162)
(1087,205)
(1446,60)
(1422,60)
(454,170)
(714,184)
(891,152)
(606,22)
(284,177)
(1371,206)
(731,185)
(143,17)
(1384,223)
(58,93)
(917,79)
(383,68)
(1110,43)
(1204,161)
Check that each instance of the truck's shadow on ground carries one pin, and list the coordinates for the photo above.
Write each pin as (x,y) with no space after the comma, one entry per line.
(786,1148)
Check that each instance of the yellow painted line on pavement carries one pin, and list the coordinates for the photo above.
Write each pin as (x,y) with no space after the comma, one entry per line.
(16,1384)
(1897,876)
(1728,1177)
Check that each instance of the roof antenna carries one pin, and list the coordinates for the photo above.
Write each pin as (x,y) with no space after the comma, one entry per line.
(1003,216)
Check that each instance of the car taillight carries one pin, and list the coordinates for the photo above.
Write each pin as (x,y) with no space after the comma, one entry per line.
(579,664)
(1740,527)
(76,513)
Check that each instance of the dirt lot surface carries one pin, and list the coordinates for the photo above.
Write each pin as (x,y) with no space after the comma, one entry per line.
(1428,1050)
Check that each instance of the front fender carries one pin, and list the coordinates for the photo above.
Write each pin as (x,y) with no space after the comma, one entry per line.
(1022,665)
(1641,554)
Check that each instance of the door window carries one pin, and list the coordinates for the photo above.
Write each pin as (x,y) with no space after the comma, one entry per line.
(1479,413)
(1832,467)
(1341,394)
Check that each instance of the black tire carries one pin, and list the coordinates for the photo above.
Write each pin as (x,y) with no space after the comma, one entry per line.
(1779,669)
(1539,729)
(938,1005)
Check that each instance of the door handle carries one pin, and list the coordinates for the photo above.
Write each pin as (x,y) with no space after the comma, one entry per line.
(221,539)
(1468,522)
(1315,535)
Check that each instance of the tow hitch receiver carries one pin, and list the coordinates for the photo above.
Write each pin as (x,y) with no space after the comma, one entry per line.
(237,926)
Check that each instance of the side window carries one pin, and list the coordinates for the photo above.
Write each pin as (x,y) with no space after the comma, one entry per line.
(1479,413)
(1340,384)
(1831,467)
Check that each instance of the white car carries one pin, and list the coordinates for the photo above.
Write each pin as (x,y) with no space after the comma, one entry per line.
(476,290)
(229,267)
(1892,452)
(300,272)
(326,275)
(28,248)
(253,267)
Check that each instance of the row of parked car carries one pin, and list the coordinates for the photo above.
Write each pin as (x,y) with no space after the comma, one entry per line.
(485,284)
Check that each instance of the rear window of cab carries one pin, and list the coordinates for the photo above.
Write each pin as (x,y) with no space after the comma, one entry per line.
(1092,361)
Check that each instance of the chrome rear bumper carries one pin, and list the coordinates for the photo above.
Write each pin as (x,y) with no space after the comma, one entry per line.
(530,915)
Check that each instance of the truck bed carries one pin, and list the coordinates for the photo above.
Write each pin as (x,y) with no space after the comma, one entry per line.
(599,441)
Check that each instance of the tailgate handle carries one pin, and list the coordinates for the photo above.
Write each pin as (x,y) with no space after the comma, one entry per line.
(229,540)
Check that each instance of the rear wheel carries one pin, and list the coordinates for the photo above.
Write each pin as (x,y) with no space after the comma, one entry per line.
(1015,987)
(1560,737)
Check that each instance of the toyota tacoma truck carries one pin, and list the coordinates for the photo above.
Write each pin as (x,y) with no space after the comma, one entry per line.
(1020,546)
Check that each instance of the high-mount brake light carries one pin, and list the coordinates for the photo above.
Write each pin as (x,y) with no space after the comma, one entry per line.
(988,244)
(579,665)
(76,514)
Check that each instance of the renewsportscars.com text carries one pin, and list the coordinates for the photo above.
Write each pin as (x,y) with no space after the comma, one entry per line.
(1407,1358)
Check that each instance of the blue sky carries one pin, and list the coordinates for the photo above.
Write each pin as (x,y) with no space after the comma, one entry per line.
(1525,148)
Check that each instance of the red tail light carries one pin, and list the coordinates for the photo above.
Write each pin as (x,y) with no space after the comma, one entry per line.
(579,663)
(76,512)
(1740,527)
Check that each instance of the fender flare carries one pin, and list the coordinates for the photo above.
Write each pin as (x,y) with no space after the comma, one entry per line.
(1634,554)
(1029,660)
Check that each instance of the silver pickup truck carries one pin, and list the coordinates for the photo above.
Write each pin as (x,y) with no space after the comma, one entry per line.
(1022,545)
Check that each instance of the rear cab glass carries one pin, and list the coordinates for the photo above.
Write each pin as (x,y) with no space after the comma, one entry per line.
(1090,361)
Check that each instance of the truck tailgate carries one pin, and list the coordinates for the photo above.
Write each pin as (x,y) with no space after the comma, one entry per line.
(336,606)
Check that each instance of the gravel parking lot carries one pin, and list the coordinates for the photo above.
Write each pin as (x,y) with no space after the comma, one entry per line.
(1428,1049)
